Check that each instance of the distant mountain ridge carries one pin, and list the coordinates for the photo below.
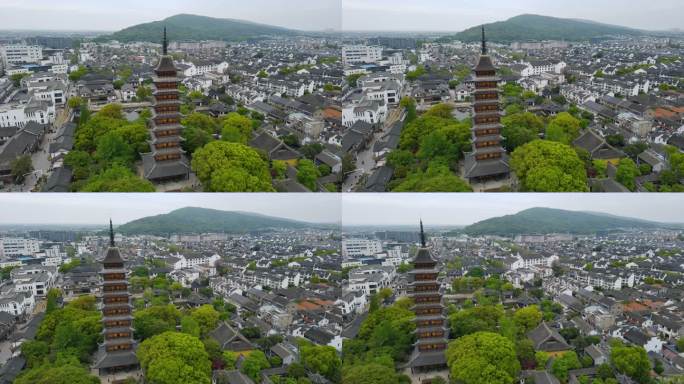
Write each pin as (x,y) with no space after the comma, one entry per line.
(203,220)
(536,27)
(548,220)
(186,27)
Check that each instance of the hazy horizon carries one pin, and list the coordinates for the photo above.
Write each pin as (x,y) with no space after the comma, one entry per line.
(456,16)
(99,16)
(449,209)
(93,209)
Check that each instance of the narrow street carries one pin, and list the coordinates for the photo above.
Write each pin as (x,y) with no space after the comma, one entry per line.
(40,158)
(365,160)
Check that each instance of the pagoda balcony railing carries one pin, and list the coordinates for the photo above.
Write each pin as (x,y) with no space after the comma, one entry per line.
(485,144)
(425,323)
(487,119)
(426,276)
(485,84)
(488,156)
(166,96)
(117,335)
(428,311)
(168,157)
(119,347)
(432,347)
(487,108)
(486,96)
(167,132)
(117,323)
(430,334)
(426,288)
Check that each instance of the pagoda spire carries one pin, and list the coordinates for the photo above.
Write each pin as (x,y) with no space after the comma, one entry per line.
(165,44)
(111,233)
(422,234)
(484,42)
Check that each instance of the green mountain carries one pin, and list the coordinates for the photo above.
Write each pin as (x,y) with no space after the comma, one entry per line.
(203,220)
(194,28)
(547,220)
(536,27)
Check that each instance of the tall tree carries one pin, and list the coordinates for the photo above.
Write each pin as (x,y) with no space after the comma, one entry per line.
(231,167)
(547,166)
(174,358)
(483,358)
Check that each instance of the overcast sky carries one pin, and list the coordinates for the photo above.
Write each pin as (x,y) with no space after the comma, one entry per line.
(464,209)
(102,15)
(84,208)
(457,15)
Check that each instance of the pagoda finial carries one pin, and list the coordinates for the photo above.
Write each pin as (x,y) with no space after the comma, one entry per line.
(484,42)
(422,234)
(165,44)
(111,233)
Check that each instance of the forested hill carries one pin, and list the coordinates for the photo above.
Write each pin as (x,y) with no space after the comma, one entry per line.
(202,220)
(547,220)
(536,27)
(195,28)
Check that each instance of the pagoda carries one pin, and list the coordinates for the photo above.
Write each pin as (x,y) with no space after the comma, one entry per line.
(431,324)
(116,354)
(166,161)
(488,160)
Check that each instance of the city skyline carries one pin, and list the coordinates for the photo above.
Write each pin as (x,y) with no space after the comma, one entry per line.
(442,15)
(25,209)
(75,15)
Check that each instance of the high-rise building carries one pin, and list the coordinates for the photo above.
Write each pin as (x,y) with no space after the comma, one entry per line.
(116,354)
(167,161)
(488,161)
(431,327)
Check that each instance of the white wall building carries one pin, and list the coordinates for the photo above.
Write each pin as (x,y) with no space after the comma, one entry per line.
(21,53)
(355,54)
(15,246)
(360,247)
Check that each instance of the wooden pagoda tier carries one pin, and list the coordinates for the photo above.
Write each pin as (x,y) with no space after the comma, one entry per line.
(431,331)
(117,352)
(488,159)
(166,160)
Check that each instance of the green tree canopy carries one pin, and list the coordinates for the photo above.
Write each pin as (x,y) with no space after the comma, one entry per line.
(627,173)
(174,358)
(254,363)
(236,128)
(437,178)
(231,167)
(21,166)
(207,317)
(632,361)
(475,319)
(117,179)
(59,373)
(564,128)
(547,166)
(561,365)
(321,359)
(372,373)
(520,129)
(483,358)
(307,174)
(201,121)
(155,320)
(527,318)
